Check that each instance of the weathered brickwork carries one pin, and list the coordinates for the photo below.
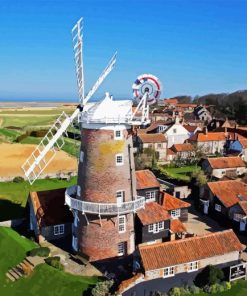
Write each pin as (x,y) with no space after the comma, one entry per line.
(100,178)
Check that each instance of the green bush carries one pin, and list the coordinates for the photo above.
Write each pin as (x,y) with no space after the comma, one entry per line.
(18,179)
(210,275)
(175,292)
(102,288)
(54,262)
(213,289)
(194,290)
(41,252)
(226,285)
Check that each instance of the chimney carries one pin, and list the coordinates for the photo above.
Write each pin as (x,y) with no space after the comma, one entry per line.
(205,130)
(176,120)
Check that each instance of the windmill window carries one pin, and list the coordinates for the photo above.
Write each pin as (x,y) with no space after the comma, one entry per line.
(119,159)
(121,224)
(79,190)
(122,248)
(81,156)
(118,134)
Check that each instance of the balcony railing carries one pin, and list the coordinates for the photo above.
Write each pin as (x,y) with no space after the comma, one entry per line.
(102,208)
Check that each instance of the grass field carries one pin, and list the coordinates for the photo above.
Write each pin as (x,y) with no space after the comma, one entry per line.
(44,281)
(181,173)
(13,196)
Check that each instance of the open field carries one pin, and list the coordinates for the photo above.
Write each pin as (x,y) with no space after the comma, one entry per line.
(12,156)
(13,196)
(44,281)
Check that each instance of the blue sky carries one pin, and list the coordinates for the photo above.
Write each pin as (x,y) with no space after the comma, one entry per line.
(193,46)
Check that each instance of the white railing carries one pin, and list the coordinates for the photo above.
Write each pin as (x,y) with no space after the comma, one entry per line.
(102,208)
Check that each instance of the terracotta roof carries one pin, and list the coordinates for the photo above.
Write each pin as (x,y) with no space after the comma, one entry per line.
(229,192)
(152,213)
(182,147)
(171,101)
(177,226)
(171,202)
(152,138)
(170,152)
(190,128)
(243,142)
(186,105)
(189,249)
(226,162)
(213,136)
(146,179)
(49,206)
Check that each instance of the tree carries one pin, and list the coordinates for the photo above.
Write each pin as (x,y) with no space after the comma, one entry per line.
(102,288)
(210,275)
(200,177)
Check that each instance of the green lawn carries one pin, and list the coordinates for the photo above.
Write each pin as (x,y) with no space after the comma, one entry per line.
(181,173)
(13,196)
(9,135)
(28,121)
(44,281)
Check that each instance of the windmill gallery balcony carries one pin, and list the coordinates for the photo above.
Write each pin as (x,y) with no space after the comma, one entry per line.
(102,208)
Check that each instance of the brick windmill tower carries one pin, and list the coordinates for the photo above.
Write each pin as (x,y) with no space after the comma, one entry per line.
(104,200)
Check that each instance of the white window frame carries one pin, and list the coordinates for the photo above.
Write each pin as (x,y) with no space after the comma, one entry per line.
(120,194)
(121,248)
(118,137)
(168,271)
(192,266)
(150,196)
(217,207)
(121,224)
(176,213)
(156,227)
(81,156)
(117,162)
(237,217)
(58,229)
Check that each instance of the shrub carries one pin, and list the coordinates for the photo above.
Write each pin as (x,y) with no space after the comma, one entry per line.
(102,288)
(226,285)
(175,292)
(213,289)
(18,179)
(210,275)
(194,289)
(54,262)
(41,252)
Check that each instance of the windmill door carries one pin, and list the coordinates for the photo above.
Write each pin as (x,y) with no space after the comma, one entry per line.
(120,197)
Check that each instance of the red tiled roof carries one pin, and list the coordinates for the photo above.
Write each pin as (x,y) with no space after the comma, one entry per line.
(189,249)
(243,205)
(182,147)
(186,105)
(226,162)
(228,192)
(177,226)
(170,152)
(146,179)
(171,101)
(190,128)
(50,207)
(171,202)
(152,213)
(152,138)
(213,136)
(243,142)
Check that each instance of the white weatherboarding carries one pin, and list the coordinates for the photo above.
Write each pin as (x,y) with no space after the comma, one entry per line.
(53,140)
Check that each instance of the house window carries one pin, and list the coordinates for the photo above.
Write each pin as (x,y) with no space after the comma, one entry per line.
(156,227)
(217,208)
(175,213)
(59,229)
(81,156)
(121,224)
(150,145)
(79,190)
(121,248)
(150,196)
(193,266)
(169,271)
(119,159)
(174,130)
(118,135)
(75,243)
(161,128)
(237,217)
(120,197)
(223,172)
(159,145)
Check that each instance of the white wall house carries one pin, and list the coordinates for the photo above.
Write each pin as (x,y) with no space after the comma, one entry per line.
(176,134)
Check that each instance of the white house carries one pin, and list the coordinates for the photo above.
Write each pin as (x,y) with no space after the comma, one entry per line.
(176,134)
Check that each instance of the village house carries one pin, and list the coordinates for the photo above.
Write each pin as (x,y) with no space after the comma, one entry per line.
(238,146)
(183,151)
(192,129)
(202,113)
(152,224)
(177,188)
(176,134)
(177,263)
(49,217)
(220,167)
(226,201)
(157,142)
(171,102)
(147,185)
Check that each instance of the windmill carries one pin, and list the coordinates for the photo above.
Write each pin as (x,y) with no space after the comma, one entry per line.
(104,201)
